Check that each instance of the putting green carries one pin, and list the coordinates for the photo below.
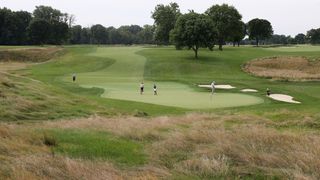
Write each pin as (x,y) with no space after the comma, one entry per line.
(121,81)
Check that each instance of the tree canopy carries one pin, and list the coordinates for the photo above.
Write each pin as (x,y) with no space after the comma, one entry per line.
(165,17)
(227,22)
(259,29)
(314,36)
(194,30)
(13,26)
(47,25)
(300,38)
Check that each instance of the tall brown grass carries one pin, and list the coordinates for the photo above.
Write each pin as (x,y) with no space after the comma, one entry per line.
(29,54)
(290,68)
(23,155)
(216,146)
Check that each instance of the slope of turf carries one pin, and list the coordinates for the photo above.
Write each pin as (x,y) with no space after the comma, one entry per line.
(121,81)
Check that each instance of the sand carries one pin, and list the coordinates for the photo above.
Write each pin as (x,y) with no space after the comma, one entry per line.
(218,86)
(284,98)
(249,90)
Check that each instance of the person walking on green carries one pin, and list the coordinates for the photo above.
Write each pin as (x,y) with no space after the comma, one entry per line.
(155,89)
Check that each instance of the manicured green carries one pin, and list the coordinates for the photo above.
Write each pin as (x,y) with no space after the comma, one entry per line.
(96,145)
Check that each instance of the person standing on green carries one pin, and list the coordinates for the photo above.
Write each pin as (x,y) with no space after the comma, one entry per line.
(74,77)
(155,89)
(141,88)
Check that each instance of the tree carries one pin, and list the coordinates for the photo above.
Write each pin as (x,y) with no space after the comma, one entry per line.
(86,36)
(7,27)
(314,36)
(239,32)
(146,35)
(49,14)
(59,32)
(193,30)
(165,18)
(278,39)
(57,23)
(99,34)
(39,31)
(224,18)
(259,29)
(22,20)
(300,38)
(75,34)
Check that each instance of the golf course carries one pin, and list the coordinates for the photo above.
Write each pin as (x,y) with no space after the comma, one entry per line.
(102,115)
(139,90)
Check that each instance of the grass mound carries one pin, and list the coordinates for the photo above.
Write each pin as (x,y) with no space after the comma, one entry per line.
(26,99)
(288,68)
(29,55)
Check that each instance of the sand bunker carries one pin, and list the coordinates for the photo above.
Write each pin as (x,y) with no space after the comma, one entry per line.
(284,98)
(249,90)
(217,86)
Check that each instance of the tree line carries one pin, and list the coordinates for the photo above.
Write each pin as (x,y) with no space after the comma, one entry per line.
(218,25)
(46,25)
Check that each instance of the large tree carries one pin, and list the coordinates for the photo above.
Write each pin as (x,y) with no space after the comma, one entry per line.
(99,34)
(49,14)
(239,32)
(300,38)
(59,32)
(75,34)
(165,17)
(39,31)
(58,23)
(224,18)
(314,36)
(146,35)
(22,20)
(193,30)
(259,29)
(13,26)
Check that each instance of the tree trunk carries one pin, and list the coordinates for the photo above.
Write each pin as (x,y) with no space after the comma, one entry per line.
(234,44)
(238,43)
(257,42)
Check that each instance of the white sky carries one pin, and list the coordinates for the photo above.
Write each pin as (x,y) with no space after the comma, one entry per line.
(288,17)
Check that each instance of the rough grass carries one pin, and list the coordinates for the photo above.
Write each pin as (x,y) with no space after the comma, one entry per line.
(29,54)
(217,146)
(26,99)
(289,68)
(23,155)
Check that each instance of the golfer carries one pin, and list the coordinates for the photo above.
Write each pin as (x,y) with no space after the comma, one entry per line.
(213,87)
(155,89)
(141,88)
(74,77)
(268,92)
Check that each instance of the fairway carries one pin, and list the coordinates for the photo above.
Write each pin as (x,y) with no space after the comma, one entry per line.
(121,81)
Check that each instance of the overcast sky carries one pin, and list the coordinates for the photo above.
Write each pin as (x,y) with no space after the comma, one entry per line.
(288,17)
